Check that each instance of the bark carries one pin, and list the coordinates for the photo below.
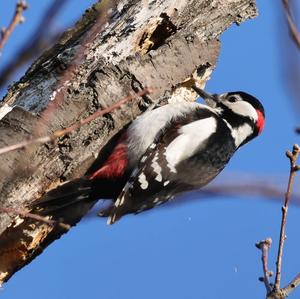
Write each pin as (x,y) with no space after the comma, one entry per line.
(102,59)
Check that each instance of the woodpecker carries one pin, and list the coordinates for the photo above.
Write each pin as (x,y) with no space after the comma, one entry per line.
(173,149)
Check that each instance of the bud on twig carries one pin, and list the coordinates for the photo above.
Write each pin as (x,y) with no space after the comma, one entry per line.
(296,149)
(289,154)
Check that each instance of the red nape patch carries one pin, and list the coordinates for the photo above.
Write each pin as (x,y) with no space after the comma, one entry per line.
(260,121)
(115,164)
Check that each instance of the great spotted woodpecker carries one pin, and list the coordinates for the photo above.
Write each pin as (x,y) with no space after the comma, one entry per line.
(166,151)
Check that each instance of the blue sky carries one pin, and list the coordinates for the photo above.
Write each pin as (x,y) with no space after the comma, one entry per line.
(203,248)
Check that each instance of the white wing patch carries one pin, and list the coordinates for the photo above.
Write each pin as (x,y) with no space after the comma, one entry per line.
(190,138)
(152,122)
(143,181)
(156,168)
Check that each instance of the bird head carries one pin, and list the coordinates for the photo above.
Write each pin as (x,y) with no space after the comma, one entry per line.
(242,112)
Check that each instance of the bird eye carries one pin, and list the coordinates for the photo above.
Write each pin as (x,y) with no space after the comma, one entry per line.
(232,99)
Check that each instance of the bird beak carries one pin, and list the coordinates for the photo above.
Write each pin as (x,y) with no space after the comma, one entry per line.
(210,99)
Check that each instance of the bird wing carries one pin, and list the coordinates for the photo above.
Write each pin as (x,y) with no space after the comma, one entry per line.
(156,180)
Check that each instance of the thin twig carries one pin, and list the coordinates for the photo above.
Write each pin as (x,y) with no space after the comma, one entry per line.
(292,285)
(70,71)
(27,214)
(75,126)
(264,247)
(17,19)
(37,42)
(292,26)
(293,168)
(250,187)
(274,291)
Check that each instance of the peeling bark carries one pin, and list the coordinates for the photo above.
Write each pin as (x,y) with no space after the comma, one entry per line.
(159,44)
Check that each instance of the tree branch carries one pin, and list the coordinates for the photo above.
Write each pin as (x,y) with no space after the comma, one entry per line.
(264,247)
(292,285)
(276,292)
(27,214)
(73,127)
(293,168)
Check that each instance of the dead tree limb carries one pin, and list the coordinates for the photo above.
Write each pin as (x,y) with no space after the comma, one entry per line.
(159,44)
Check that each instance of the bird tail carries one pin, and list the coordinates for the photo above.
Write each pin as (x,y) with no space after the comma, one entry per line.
(58,200)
